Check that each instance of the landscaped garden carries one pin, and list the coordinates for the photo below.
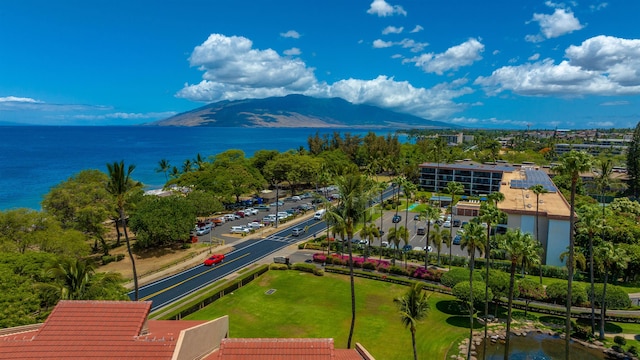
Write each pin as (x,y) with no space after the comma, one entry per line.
(304,305)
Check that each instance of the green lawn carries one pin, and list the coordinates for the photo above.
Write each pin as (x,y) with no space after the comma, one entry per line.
(305,305)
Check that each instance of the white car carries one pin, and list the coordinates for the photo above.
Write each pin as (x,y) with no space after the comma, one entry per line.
(447,224)
(240,230)
(251,211)
(254,225)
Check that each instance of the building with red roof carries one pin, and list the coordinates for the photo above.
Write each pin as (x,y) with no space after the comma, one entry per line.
(101,330)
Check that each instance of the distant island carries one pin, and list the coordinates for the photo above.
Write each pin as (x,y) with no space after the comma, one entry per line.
(297,111)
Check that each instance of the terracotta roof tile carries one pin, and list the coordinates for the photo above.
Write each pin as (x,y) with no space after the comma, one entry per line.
(97,330)
(282,349)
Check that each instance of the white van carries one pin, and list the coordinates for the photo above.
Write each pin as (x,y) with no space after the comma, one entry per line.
(319,214)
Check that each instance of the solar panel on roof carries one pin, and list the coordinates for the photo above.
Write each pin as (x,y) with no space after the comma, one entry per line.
(534,177)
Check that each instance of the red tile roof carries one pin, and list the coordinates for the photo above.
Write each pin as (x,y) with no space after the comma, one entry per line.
(281,349)
(97,330)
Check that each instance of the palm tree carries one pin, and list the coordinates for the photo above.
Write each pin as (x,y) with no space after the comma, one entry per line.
(369,233)
(413,307)
(472,241)
(490,215)
(538,190)
(610,259)
(396,235)
(572,164)
(348,212)
(431,214)
(589,224)
(439,143)
(120,186)
(382,186)
(515,245)
(409,189)
(199,162)
(164,167)
(439,236)
(74,277)
(496,197)
(453,188)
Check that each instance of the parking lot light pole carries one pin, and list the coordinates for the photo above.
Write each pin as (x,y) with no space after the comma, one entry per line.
(210,240)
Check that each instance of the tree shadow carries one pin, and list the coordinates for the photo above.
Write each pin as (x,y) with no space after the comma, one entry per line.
(463,322)
(452,307)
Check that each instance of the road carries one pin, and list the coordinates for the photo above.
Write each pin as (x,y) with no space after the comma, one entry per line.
(170,289)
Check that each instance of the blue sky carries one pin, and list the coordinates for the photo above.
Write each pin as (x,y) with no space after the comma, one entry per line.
(489,64)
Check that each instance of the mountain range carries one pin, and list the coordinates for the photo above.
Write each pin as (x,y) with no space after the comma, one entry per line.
(297,111)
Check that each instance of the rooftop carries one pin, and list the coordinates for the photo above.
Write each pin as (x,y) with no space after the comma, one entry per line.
(523,200)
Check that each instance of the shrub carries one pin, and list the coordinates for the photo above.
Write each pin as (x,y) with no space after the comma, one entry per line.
(303,267)
(119,257)
(369,265)
(557,292)
(318,272)
(107,259)
(397,270)
(274,266)
(616,298)
(620,340)
(457,275)
(633,350)
(583,332)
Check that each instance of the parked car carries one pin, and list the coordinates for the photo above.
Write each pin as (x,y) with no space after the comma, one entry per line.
(416,217)
(214,259)
(427,248)
(297,231)
(456,240)
(407,248)
(456,223)
(396,219)
(447,224)
(254,225)
(385,244)
(240,213)
(203,230)
(420,231)
(296,198)
(262,207)
(240,230)
(278,203)
(231,217)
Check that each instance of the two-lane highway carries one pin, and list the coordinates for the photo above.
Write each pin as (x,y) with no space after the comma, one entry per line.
(172,288)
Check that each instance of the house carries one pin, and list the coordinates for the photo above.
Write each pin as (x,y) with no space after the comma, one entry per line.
(100,330)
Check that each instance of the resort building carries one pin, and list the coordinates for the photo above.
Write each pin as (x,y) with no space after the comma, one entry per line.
(101,330)
(479,180)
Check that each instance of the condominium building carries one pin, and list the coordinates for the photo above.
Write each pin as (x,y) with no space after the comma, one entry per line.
(521,205)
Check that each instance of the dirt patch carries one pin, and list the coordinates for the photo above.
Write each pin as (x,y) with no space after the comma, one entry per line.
(150,261)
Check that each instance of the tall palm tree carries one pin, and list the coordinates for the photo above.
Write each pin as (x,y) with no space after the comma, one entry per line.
(439,143)
(120,186)
(164,167)
(472,240)
(572,164)
(199,162)
(490,215)
(496,197)
(348,211)
(187,166)
(538,190)
(382,186)
(413,307)
(439,236)
(409,189)
(431,214)
(369,233)
(589,224)
(453,188)
(397,234)
(610,258)
(515,245)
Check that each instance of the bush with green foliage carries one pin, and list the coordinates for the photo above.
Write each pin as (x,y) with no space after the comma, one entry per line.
(461,291)
(557,292)
(275,266)
(616,298)
(310,268)
(457,275)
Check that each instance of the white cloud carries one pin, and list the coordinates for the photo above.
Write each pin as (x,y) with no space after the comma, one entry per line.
(615,103)
(381,44)
(602,65)
(392,30)
(598,7)
(534,57)
(18,99)
(455,57)
(601,124)
(561,22)
(416,29)
(233,70)
(495,52)
(490,122)
(125,116)
(292,52)
(291,34)
(231,67)
(382,9)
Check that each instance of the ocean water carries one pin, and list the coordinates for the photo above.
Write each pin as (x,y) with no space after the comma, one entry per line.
(33,158)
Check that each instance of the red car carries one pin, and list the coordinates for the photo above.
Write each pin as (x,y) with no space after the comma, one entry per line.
(214,259)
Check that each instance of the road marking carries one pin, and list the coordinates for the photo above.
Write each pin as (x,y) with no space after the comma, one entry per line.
(191,278)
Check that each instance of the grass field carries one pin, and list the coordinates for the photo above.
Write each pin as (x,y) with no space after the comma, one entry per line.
(305,305)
